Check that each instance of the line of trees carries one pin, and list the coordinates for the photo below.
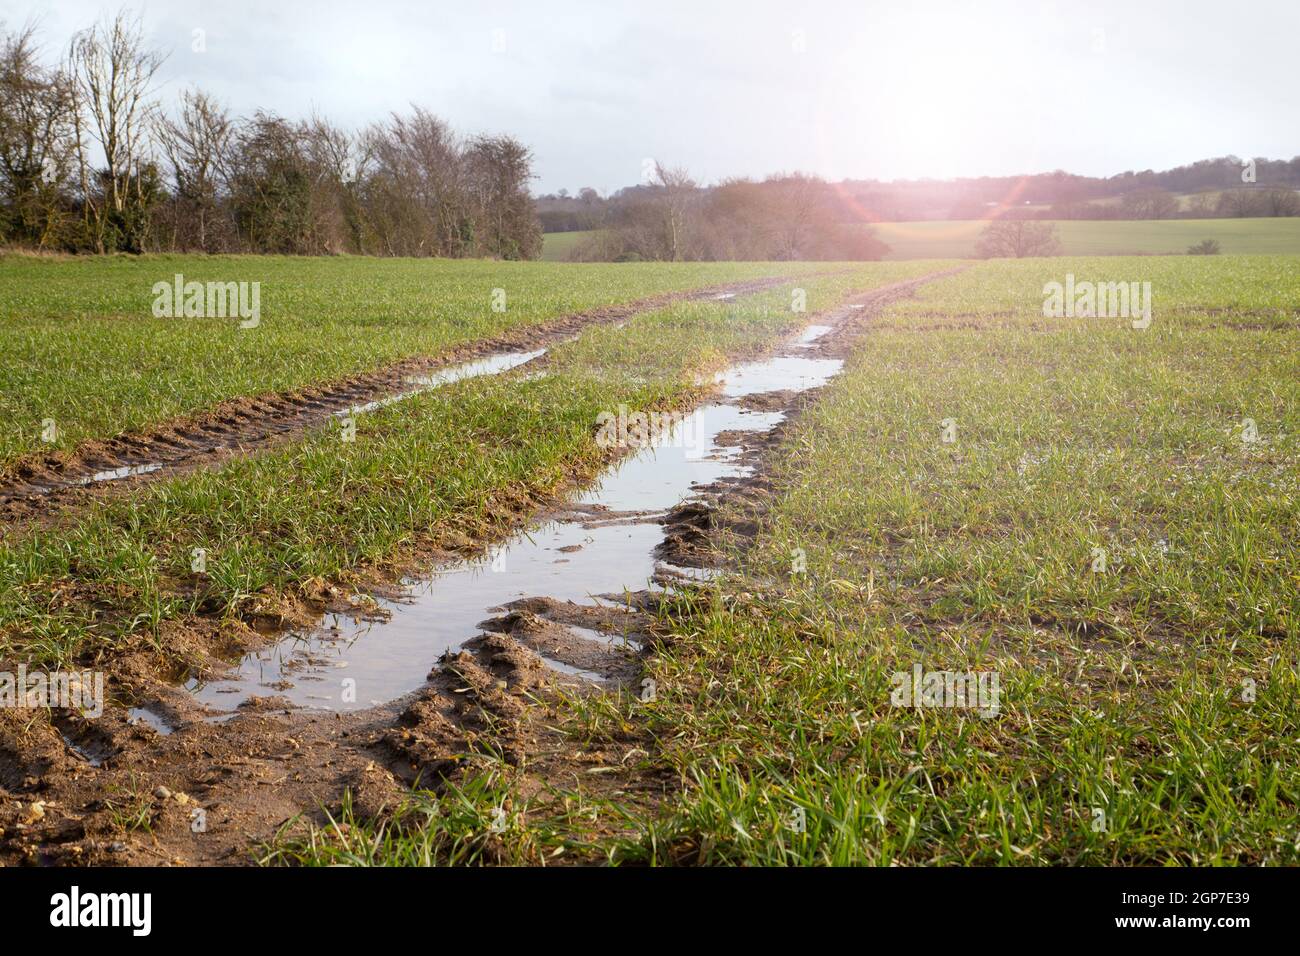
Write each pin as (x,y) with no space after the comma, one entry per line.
(1240,202)
(671,218)
(1212,188)
(89,161)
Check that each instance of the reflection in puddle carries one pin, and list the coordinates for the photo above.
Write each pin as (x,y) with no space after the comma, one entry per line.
(113,474)
(811,335)
(93,756)
(143,715)
(345,664)
(572,671)
(492,365)
(779,374)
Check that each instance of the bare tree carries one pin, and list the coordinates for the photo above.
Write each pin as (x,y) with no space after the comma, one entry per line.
(1202,205)
(197,143)
(1279,202)
(500,168)
(337,159)
(678,193)
(1017,238)
(36,141)
(794,205)
(1150,204)
(112,73)
(1239,203)
(416,194)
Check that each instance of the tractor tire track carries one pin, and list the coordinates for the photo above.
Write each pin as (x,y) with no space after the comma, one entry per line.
(33,486)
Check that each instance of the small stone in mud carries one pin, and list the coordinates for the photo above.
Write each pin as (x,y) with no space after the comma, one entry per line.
(162,793)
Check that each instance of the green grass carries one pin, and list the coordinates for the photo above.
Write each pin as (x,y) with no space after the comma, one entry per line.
(1148,707)
(1123,692)
(466,825)
(556,246)
(434,467)
(956,239)
(82,347)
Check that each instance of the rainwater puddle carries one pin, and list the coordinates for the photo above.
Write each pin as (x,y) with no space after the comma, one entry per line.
(492,365)
(811,334)
(143,715)
(346,664)
(114,474)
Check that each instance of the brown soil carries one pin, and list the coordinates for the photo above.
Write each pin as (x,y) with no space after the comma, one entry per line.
(108,791)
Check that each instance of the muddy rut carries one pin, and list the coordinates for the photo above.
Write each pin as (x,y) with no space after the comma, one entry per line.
(165,776)
(32,486)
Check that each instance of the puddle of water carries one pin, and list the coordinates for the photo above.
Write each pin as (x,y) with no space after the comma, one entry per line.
(492,365)
(811,335)
(144,715)
(113,474)
(348,665)
(659,477)
(698,575)
(572,671)
(600,637)
(779,374)
(94,758)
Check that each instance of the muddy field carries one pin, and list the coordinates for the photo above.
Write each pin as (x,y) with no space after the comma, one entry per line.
(636,585)
(248,728)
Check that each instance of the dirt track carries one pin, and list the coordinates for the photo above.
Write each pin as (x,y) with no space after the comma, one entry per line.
(36,485)
(111,791)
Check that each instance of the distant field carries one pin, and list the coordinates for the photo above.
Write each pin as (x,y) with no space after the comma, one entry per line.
(956,240)
(557,245)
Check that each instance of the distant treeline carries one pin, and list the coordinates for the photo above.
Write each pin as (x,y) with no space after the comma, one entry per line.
(1226,188)
(784,217)
(1268,189)
(89,161)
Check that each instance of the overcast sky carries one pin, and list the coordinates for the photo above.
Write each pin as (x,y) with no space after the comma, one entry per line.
(860,89)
